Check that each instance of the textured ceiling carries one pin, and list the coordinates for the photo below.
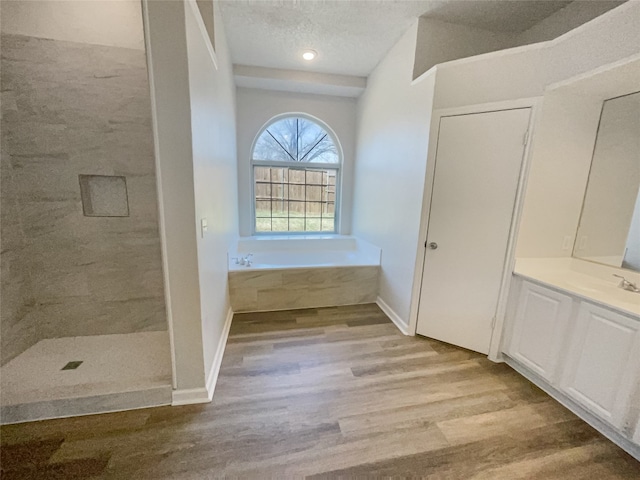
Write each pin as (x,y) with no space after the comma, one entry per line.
(509,16)
(351,36)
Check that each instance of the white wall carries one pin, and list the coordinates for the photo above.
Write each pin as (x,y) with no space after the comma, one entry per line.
(393,134)
(494,77)
(167,54)
(103,22)
(559,169)
(195,149)
(527,71)
(564,20)
(606,39)
(439,42)
(213,131)
(257,107)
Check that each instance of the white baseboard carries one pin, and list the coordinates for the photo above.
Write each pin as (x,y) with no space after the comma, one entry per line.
(403,327)
(212,377)
(189,396)
(205,394)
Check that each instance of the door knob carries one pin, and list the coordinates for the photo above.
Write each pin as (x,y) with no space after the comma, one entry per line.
(433,245)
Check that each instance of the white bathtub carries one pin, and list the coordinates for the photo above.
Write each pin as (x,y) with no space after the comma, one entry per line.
(302,272)
(287,252)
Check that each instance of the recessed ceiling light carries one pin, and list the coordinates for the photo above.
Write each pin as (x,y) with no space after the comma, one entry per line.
(309,54)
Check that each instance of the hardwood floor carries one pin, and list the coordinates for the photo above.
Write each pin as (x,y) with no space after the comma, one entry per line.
(330,393)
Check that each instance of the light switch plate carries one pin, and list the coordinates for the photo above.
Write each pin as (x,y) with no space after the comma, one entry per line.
(204,226)
(566,242)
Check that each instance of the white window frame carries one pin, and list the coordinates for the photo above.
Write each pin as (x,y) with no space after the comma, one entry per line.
(301,165)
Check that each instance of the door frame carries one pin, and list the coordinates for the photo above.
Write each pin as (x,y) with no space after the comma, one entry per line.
(533,103)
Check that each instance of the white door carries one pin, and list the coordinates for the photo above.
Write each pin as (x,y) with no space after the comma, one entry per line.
(603,364)
(539,329)
(478,162)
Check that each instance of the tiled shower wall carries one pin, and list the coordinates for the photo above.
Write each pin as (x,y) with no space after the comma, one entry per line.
(69,109)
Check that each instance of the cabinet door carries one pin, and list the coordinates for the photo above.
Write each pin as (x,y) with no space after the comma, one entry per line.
(603,363)
(540,324)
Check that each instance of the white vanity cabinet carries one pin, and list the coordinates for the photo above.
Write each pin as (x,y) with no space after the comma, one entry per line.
(539,327)
(603,363)
(585,355)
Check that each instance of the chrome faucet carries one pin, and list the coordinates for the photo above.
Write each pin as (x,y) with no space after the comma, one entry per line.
(246,260)
(627,285)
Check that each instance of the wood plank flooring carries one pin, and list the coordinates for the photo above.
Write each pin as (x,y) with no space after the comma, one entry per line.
(330,393)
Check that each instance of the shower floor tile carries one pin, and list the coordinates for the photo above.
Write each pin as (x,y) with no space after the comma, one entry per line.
(110,365)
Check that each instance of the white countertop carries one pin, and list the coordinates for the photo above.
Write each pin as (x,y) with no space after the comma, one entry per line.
(587,280)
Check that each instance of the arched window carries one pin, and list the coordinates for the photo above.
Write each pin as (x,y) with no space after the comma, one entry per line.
(296,171)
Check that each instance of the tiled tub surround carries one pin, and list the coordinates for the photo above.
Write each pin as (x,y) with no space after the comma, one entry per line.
(303,272)
(68,109)
(117,372)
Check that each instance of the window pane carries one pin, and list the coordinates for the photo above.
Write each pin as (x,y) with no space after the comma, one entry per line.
(263,208)
(297,192)
(263,191)
(282,206)
(313,224)
(284,133)
(296,224)
(297,176)
(314,209)
(280,191)
(314,193)
(263,224)
(329,209)
(314,177)
(261,173)
(280,224)
(328,224)
(296,209)
(295,139)
(325,152)
(279,175)
(267,148)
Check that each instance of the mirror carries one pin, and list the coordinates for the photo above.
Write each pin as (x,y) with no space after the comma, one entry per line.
(609,229)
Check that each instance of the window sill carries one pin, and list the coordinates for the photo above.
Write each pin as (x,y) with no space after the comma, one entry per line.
(295,236)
